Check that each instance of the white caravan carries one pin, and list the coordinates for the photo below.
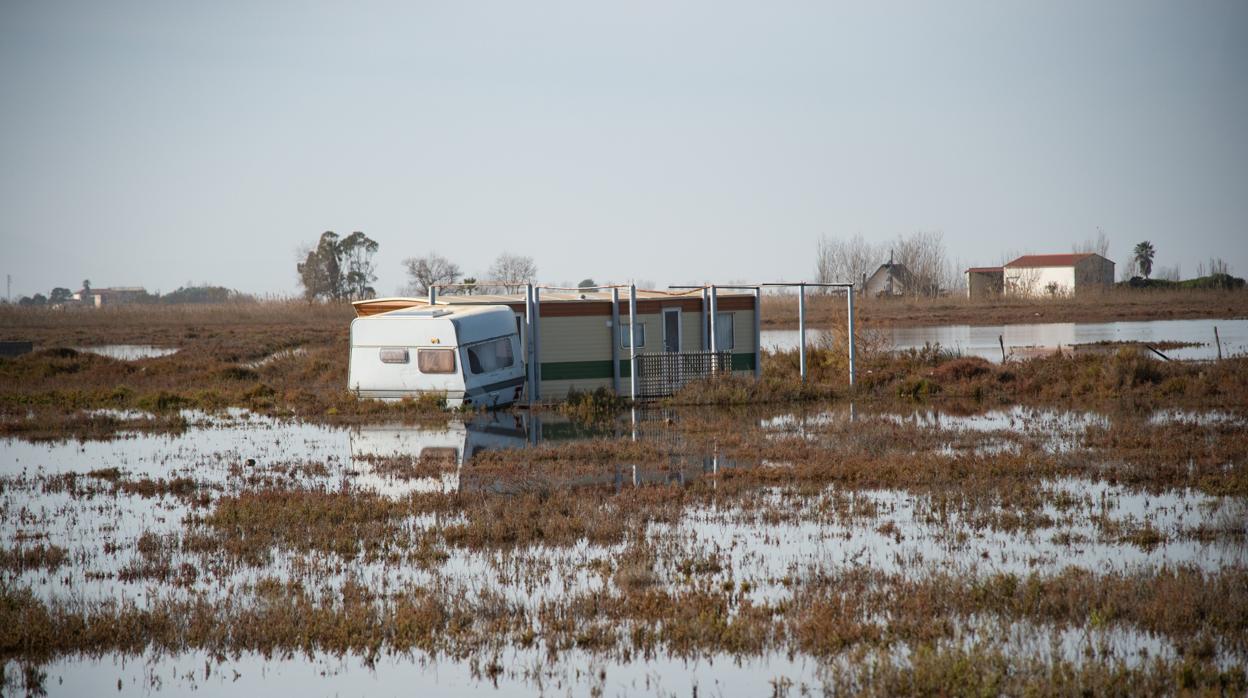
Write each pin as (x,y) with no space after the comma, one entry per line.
(470,354)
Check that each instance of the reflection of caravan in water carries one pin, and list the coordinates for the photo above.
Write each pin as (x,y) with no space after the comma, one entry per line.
(455,445)
(470,354)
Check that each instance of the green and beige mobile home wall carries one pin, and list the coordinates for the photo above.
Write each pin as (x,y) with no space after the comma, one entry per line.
(583,343)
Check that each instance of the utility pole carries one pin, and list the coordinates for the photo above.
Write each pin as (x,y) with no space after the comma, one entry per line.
(8,288)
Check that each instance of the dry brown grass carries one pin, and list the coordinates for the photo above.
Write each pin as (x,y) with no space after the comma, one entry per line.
(230,326)
(46,393)
(1125,376)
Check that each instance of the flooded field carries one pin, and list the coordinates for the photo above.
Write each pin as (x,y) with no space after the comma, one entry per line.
(659,552)
(1023,339)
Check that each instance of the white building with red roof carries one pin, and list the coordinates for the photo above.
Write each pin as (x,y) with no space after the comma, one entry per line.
(1057,274)
(1043,275)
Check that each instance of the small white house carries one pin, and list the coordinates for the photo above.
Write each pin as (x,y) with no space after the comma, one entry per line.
(891,279)
(1057,274)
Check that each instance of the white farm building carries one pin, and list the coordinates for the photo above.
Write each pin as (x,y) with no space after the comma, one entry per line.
(1043,275)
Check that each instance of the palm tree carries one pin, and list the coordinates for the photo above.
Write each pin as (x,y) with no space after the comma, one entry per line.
(1144,257)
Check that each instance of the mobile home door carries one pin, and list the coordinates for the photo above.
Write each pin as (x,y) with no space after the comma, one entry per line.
(671,330)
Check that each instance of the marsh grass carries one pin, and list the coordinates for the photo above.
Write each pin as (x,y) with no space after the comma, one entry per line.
(245,358)
(1124,376)
(621,549)
(851,614)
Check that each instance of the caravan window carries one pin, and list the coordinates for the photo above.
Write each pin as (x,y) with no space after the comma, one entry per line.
(641,334)
(436,360)
(393,355)
(490,355)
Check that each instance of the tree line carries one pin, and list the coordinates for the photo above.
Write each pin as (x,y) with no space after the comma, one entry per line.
(62,297)
(342,269)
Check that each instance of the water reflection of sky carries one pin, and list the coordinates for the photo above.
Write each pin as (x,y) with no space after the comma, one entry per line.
(982,340)
(129,352)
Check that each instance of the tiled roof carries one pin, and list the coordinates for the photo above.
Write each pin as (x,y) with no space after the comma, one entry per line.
(1048,260)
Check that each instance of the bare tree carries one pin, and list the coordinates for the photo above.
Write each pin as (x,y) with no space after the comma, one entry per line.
(1129,269)
(845,261)
(1022,282)
(1098,246)
(430,270)
(1173,273)
(923,254)
(513,271)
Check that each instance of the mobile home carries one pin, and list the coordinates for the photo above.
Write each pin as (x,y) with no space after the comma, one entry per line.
(582,339)
(469,354)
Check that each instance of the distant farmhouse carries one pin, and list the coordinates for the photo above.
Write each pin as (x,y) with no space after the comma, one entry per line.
(120,295)
(891,279)
(1042,275)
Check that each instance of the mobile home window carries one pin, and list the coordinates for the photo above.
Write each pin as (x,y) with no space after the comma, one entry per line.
(490,355)
(724,333)
(435,360)
(641,335)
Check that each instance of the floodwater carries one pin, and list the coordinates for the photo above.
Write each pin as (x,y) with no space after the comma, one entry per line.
(1024,339)
(129,352)
(899,532)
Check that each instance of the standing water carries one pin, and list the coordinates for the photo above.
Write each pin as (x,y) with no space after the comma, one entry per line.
(982,340)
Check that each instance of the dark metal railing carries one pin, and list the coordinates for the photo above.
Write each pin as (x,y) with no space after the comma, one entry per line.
(660,375)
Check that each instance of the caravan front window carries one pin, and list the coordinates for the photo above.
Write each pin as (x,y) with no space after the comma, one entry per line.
(436,360)
(490,355)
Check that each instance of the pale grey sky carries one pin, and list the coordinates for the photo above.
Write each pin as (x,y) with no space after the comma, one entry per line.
(164,142)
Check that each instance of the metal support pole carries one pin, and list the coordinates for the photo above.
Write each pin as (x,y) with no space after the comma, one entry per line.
(706,322)
(433,295)
(849,294)
(801,330)
(537,343)
(758,332)
(528,338)
(632,342)
(714,311)
(615,340)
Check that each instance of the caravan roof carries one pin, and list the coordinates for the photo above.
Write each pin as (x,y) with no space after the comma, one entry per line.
(449,312)
(472,323)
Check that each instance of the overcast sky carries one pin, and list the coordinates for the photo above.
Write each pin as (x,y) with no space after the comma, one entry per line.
(163,143)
